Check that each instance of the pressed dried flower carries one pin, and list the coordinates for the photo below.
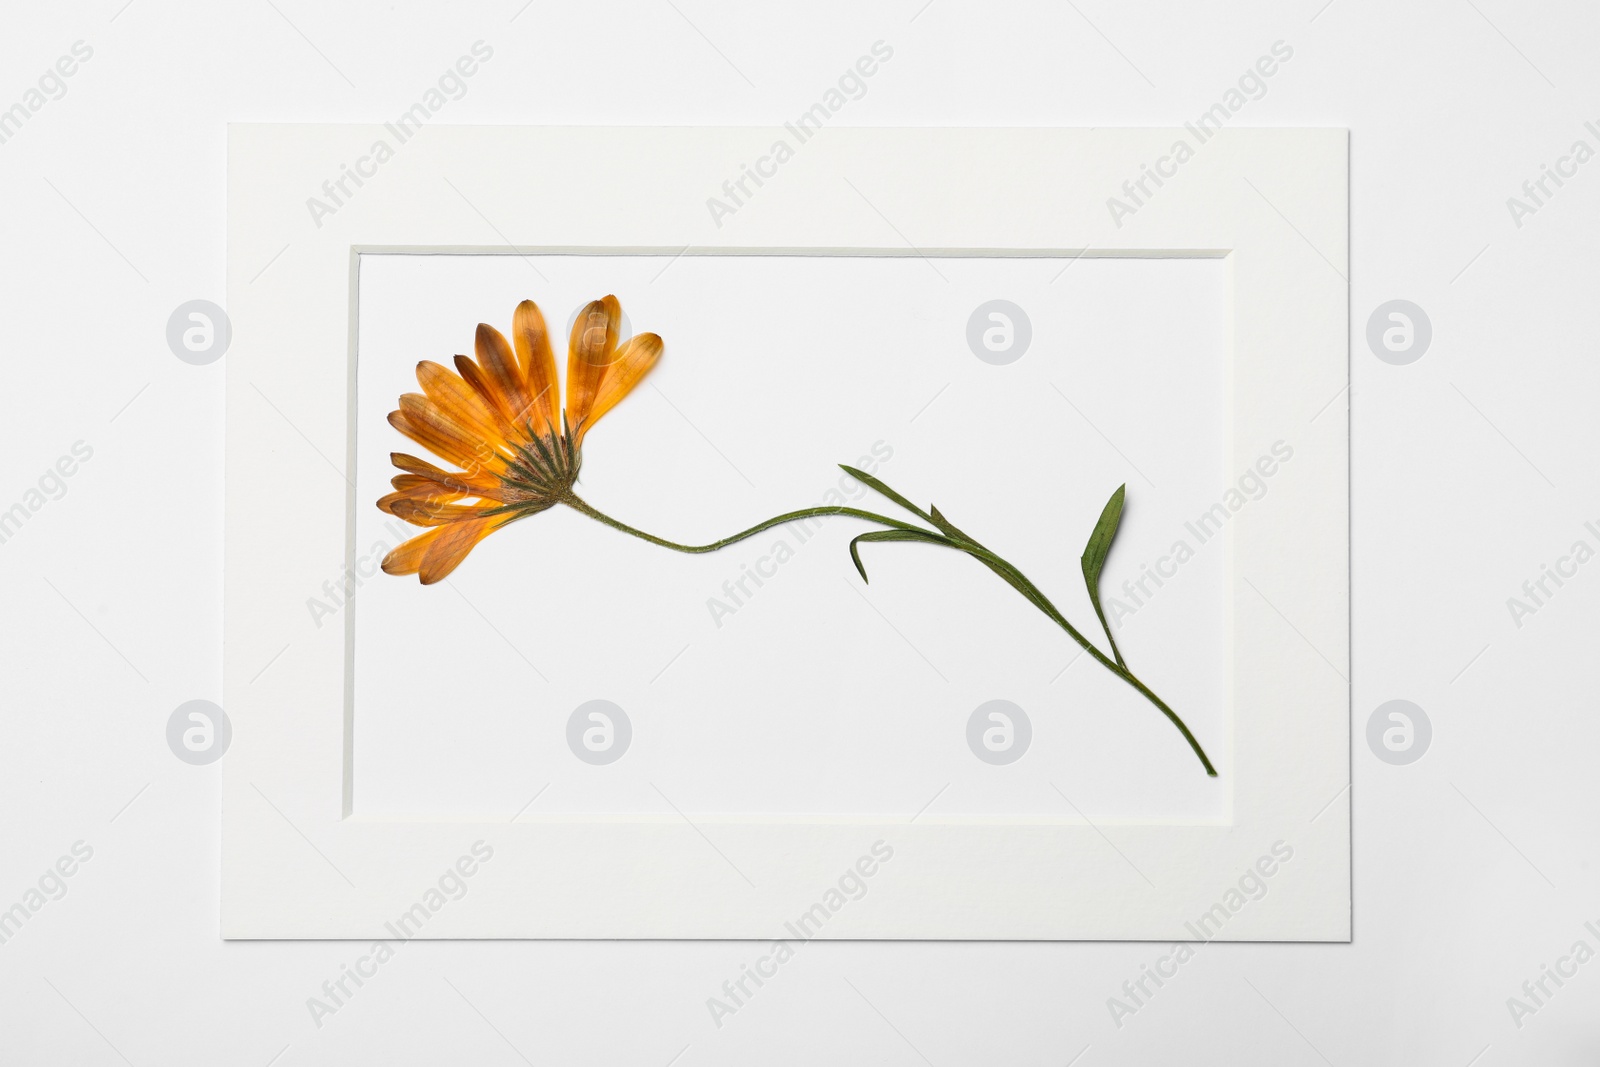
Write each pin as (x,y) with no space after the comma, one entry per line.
(499,419)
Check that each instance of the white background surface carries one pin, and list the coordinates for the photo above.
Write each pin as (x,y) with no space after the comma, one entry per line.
(779,369)
(1471,469)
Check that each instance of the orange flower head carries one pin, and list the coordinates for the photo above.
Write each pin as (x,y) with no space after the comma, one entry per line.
(497,419)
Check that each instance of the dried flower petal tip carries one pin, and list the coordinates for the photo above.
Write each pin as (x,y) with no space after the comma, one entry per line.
(498,417)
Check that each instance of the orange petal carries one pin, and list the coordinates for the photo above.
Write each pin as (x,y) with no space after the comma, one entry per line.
(397,502)
(467,483)
(466,447)
(413,465)
(474,376)
(459,400)
(461,453)
(430,511)
(502,373)
(633,361)
(452,545)
(423,487)
(538,365)
(407,558)
(589,354)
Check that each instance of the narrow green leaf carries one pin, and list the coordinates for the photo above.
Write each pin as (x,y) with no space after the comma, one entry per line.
(1011,578)
(967,544)
(873,483)
(946,525)
(1094,558)
(1105,531)
(892,535)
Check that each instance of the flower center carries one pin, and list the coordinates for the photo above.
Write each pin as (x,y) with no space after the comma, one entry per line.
(542,472)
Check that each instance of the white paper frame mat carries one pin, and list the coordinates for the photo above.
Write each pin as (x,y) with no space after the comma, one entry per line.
(295,863)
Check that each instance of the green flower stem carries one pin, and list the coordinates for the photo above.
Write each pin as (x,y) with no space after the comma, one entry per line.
(577,504)
(1120,670)
(948,537)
